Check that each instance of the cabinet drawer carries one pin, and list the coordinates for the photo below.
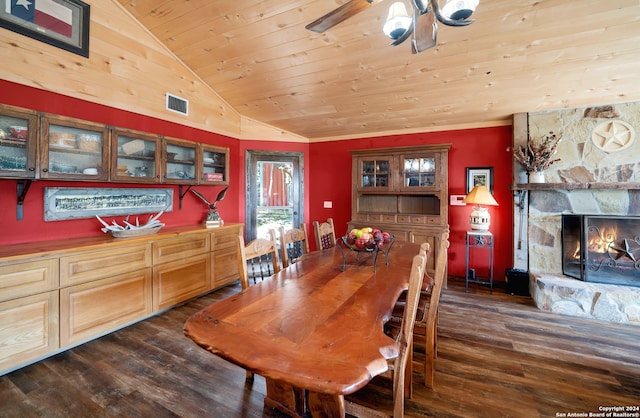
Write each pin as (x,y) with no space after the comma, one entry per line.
(389,218)
(89,309)
(433,220)
(178,281)
(361,217)
(93,265)
(420,220)
(228,239)
(28,328)
(179,248)
(403,219)
(23,279)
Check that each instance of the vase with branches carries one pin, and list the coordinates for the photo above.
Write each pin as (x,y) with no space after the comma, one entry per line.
(537,155)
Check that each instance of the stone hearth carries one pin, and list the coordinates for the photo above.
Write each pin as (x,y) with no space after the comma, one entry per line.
(565,295)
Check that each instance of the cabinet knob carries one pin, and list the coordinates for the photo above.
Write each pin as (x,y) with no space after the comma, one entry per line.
(32,169)
(44,170)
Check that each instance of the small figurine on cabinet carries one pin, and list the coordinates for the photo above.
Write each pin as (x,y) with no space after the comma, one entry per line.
(213,217)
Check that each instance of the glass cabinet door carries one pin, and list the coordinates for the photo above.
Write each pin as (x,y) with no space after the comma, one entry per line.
(215,165)
(375,173)
(73,150)
(180,161)
(419,172)
(18,136)
(135,157)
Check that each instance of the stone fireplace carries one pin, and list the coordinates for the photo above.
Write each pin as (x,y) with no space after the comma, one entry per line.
(586,180)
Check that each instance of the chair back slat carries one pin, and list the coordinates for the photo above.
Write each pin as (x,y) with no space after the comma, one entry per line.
(294,244)
(325,234)
(258,259)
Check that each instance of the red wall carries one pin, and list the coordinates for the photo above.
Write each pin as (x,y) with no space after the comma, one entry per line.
(330,179)
(327,176)
(33,228)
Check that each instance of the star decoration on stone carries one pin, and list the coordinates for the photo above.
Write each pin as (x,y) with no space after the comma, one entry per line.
(613,135)
(624,250)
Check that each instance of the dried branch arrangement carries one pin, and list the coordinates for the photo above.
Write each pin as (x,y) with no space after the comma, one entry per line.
(537,155)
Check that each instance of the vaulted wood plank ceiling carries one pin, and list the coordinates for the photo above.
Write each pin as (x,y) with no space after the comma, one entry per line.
(518,56)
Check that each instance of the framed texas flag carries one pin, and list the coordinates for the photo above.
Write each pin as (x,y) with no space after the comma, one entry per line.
(61,23)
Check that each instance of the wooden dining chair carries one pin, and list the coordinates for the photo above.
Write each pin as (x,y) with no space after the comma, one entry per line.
(294,244)
(325,234)
(401,365)
(427,313)
(258,259)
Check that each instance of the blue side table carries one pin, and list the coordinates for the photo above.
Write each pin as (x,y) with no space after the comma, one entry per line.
(479,240)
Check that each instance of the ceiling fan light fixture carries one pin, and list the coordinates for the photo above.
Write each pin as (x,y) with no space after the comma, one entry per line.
(459,9)
(398,21)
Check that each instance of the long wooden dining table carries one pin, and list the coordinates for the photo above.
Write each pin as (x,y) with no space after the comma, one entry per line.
(314,330)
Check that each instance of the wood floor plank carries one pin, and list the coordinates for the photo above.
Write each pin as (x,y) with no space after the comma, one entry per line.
(498,356)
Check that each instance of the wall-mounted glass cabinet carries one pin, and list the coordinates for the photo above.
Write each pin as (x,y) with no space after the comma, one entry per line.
(73,150)
(180,161)
(18,142)
(135,156)
(215,165)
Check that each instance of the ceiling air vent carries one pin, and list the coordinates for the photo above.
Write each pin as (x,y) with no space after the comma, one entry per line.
(177,104)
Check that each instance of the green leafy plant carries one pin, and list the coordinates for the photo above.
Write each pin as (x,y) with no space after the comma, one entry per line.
(537,155)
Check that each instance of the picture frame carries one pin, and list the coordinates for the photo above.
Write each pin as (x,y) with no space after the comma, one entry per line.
(479,176)
(62,203)
(61,23)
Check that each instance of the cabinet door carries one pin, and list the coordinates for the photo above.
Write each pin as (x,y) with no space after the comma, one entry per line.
(18,137)
(28,328)
(215,165)
(180,161)
(135,157)
(225,256)
(374,173)
(181,280)
(89,309)
(74,150)
(420,172)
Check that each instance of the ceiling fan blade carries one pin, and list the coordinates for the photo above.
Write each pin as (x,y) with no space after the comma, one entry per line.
(424,33)
(342,13)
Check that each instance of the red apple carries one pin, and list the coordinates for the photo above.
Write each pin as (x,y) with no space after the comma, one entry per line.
(386,237)
(360,243)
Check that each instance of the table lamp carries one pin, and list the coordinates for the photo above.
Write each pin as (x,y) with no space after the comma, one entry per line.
(480,218)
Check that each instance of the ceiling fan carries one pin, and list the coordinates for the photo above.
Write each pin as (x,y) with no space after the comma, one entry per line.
(399,25)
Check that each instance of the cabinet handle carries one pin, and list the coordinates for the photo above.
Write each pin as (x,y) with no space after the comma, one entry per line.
(44,170)
(32,169)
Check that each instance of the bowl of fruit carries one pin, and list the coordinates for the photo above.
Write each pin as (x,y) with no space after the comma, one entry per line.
(367,239)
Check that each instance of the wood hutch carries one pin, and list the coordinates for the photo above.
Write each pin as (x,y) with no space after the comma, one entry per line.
(403,191)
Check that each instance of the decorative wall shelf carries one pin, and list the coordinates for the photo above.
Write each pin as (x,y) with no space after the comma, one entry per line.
(575,186)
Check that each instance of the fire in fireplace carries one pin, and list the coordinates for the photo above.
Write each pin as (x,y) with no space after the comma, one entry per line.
(601,249)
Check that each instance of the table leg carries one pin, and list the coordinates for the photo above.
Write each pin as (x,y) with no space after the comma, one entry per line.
(302,403)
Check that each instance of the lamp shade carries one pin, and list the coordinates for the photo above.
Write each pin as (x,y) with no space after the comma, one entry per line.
(480,195)
(397,22)
(480,218)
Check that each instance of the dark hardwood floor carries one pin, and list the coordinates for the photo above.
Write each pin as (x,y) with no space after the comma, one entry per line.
(498,356)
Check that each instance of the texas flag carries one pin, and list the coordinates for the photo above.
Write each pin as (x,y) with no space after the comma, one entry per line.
(44,13)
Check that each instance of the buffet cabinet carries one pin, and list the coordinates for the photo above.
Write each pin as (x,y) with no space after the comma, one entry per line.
(55,295)
(45,146)
(403,191)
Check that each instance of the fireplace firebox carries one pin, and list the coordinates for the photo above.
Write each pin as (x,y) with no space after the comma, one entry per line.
(601,249)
